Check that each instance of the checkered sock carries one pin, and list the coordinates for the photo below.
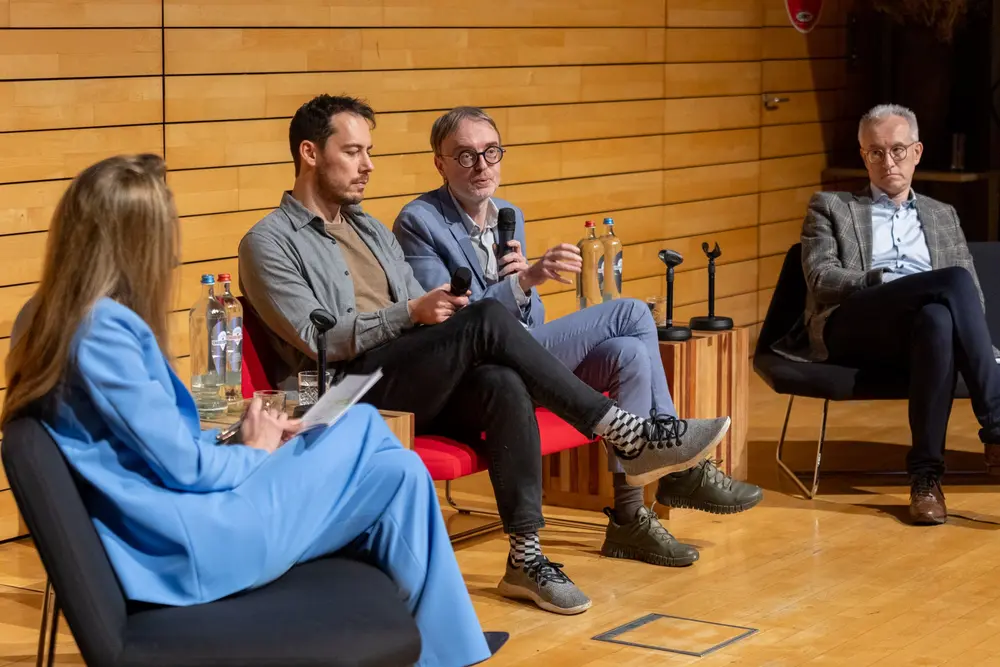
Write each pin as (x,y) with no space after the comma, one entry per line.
(524,548)
(623,431)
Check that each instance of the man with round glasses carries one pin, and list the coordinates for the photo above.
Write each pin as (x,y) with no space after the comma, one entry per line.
(613,346)
(892,288)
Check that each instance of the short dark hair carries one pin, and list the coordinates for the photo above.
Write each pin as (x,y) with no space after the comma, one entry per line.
(446,125)
(312,121)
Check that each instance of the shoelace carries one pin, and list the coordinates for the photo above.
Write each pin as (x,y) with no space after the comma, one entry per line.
(650,519)
(924,485)
(544,571)
(716,477)
(663,430)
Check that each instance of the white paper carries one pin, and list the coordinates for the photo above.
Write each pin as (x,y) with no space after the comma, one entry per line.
(337,399)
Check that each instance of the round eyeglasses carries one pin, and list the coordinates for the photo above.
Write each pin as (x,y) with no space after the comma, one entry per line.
(468,158)
(897,152)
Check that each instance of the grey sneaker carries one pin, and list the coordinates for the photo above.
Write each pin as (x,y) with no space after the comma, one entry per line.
(706,488)
(671,444)
(544,583)
(645,539)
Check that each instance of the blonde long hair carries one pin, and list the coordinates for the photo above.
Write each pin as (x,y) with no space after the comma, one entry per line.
(114,234)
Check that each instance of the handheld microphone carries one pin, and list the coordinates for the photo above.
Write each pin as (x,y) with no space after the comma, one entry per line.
(460,281)
(506,221)
(323,320)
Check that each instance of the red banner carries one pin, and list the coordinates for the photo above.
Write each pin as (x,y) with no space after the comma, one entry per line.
(804,14)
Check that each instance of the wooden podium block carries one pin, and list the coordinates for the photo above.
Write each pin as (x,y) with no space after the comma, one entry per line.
(401,425)
(708,376)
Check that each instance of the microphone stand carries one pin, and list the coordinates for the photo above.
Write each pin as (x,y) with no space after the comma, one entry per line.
(321,361)
(670,332)
(323,321)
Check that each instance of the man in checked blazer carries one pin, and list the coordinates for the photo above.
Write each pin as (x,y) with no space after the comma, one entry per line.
(892,286)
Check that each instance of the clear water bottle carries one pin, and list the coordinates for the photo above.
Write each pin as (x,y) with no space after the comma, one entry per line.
(233,380)
(610,264)
(588,282)
(207,328)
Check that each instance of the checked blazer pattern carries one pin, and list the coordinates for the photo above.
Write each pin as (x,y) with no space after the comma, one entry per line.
(837,258)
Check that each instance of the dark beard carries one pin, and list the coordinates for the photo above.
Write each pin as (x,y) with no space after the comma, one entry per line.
(328,193)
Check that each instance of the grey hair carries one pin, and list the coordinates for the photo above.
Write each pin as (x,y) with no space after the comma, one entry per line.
(883,111)
(447,124)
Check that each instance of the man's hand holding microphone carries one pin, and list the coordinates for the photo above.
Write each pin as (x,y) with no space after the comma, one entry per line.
(563,258)
(440,303)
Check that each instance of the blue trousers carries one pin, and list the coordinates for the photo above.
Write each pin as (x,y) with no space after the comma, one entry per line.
(613,347)
(353,485)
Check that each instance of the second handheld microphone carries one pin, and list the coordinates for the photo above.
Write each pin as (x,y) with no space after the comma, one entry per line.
(460,281)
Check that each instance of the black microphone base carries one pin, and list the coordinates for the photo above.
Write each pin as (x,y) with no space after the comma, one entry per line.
(711,323)
(673,334)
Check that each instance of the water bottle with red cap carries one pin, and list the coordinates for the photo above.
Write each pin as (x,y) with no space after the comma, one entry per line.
(233,382)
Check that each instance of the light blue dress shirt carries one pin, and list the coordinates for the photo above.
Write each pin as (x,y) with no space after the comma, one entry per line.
(898,242)
(483,241)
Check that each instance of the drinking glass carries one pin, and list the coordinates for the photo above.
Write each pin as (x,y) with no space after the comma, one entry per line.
(309,386)
(658,309)
(271,399)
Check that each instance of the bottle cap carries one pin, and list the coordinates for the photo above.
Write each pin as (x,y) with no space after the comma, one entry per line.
(589,223)
(609,221)
(225,278)
(208,279)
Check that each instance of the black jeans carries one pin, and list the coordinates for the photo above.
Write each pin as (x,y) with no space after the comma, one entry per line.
(482,372)
(928,325)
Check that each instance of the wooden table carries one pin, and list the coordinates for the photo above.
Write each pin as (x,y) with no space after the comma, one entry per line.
(708,376)
(400,423)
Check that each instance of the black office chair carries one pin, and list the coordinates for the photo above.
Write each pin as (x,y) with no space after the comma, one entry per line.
(831,382)
(332,611)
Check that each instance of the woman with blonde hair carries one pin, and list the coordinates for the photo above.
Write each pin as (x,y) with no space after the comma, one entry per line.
(183,519)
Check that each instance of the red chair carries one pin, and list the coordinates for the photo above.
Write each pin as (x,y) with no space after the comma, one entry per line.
(448,460)
(252,372)
(445,459)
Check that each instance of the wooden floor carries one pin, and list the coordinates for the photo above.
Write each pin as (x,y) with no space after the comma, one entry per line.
(838,581)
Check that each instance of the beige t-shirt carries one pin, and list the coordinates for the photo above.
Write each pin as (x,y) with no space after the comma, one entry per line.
(371,287)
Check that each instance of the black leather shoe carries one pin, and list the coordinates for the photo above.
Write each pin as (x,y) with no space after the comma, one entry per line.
(706,488)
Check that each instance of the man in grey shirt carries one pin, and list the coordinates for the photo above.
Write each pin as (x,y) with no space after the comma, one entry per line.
(462,370)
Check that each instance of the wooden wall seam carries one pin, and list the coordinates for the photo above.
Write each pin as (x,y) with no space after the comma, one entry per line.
(685,76)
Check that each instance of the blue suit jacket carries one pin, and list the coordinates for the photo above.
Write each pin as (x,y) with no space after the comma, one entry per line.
(435,242)
(161,493)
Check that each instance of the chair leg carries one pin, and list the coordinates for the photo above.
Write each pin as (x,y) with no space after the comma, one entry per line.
(472,532)
(819,449)
(808,492)
(47,630)
(782,466)
(494,525)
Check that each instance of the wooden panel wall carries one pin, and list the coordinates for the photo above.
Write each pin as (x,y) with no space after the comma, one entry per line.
(649,111)
(78,81)
(810,72)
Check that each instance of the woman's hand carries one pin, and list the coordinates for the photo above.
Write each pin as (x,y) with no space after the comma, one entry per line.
(265,429)
(292,428)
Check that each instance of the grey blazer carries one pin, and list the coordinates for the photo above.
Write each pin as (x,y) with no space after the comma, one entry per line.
(837,259)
